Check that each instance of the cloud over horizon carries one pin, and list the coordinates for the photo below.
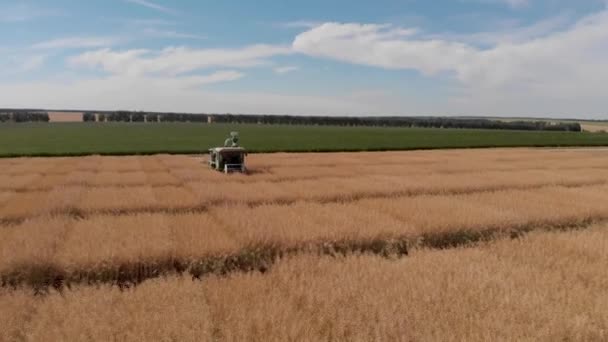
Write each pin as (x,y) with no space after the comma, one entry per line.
(567,64)
(175,60)
(554,66)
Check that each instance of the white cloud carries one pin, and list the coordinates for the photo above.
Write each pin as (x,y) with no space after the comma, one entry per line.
(175,60)
(32,63)
(158,94)
(16,64)
(194,81)
(76,42)
(556,67)
(180,83)
(154,6)
(382,46)
(564,70)
(116,62)
(285,69)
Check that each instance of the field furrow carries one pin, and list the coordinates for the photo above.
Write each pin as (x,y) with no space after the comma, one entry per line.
(546,286)
(320,246)
(303,171)
(148,198)
(134,247)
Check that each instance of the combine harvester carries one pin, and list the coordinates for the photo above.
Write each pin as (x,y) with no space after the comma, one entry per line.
(230,158)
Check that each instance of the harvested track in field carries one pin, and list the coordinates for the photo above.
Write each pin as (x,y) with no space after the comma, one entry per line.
(83,214)
(276,179)
(323,203)
(320,246)
(341,198)
(260,258)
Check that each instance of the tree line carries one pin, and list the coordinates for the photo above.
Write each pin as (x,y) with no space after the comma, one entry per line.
(386,121)
(424,122)
(24,117)
(126,116)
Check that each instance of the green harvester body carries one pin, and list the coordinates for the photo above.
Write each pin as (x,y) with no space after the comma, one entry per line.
(230,157)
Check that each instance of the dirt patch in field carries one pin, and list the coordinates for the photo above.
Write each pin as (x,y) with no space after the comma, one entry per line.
(595,127)
(65,117)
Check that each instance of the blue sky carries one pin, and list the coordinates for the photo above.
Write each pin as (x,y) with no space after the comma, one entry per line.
(408,57)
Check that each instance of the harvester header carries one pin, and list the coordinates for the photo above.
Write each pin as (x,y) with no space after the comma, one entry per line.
(230,157)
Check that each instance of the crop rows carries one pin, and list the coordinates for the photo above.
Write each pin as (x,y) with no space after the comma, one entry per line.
(98,247)
(546,286)
(306,247)
(15,204)
(78,139)
(121,199)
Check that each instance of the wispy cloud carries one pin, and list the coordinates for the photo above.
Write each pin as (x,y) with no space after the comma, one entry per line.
(566,65)
(285,69)
(297,24)
(153,6)
(138,22)
(21,12)
(16,64)
(112,93)
(511,3)
(32,63)
(156,28)
(160,33)
(75,42)
(176,60)
(512,33)
(199,80)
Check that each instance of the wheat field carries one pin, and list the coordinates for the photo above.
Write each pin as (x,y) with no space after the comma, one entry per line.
(546,286)
(318,246)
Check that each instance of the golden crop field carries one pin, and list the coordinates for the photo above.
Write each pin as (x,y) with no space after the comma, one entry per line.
(307,247)
(546,286)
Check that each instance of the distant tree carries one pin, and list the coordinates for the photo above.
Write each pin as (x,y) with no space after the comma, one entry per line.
(111,117)
(137,117)
(119,116)
(21,117)
(168,117)
(88,117)
(24,116)
(152,117)
(123,116)
(199,118)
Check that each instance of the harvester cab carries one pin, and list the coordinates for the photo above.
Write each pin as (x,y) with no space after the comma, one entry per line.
(230,157)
